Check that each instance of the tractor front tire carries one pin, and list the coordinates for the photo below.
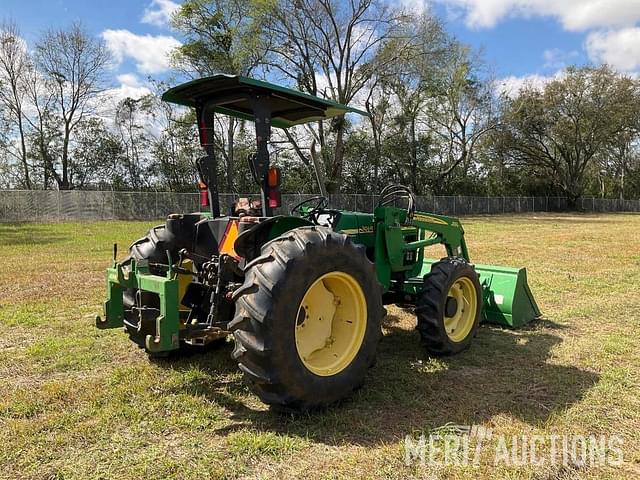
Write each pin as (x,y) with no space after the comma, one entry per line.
(449,308)
(308,319)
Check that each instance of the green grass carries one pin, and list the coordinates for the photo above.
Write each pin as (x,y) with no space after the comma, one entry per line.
(79,403)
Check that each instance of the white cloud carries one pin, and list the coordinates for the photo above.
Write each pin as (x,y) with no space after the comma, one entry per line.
(574,15)
(511,86)
(557,59)
(415,6)
(620,49)
(159,12)
(151,53)
(130,87)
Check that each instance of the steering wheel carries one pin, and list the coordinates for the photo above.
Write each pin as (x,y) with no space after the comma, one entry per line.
(322,202)
(391,193)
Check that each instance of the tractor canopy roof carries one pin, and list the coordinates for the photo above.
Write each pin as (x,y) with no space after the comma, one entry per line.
(231,95)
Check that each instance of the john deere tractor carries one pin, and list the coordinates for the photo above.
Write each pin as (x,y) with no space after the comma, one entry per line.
(302,293)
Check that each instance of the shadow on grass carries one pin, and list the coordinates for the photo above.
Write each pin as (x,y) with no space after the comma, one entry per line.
(503,372)
(27,234)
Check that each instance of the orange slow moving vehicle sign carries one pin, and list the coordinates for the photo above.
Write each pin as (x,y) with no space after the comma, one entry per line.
(229,238)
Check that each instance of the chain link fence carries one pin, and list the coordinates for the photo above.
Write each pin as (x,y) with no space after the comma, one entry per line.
(50,205)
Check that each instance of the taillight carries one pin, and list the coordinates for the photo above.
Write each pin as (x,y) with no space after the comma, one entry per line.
(273,178)
(204,194)
(273,181)
(274,198)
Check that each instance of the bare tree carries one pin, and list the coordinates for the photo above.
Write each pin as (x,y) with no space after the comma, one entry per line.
(14,69)
(129,120)
(42,124)
(326,48)
(74,63)
(461,110)
(221,36)
(430,103)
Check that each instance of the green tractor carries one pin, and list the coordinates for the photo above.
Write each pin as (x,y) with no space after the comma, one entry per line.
(302,294)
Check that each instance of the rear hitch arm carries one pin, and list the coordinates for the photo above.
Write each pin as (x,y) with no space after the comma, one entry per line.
(137,276)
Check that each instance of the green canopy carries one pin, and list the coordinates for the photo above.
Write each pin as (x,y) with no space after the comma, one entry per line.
(231,95)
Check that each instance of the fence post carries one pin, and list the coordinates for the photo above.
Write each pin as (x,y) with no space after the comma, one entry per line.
(454,205)
(59,206)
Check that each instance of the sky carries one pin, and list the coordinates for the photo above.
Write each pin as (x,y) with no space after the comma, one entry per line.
(521,40)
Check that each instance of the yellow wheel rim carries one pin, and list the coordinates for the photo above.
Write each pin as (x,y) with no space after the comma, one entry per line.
(331,323)
(461,323)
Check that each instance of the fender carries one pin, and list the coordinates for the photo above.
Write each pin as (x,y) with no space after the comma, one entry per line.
(249,242)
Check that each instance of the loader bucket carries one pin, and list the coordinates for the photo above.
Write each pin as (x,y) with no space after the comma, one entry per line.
(508,301)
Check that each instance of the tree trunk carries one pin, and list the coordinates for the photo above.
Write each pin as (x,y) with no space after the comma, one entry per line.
(622,169)
(414,157)
(63,184)
(25,165)
(572,201)
(45,175)
(376,169)
(335,177)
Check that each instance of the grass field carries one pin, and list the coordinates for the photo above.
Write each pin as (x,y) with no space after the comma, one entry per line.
(78,403)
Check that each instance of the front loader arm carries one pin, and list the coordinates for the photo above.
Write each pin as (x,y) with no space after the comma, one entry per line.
(400,243)
(401,266)
(447,231)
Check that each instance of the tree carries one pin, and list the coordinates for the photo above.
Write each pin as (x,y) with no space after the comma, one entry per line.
(460,112)
(431,104)
(131,120)
(44,133)
(622,149)
(562,128)
(326,48)
(221,36)
(15,65)
(97,156)
(398,92)
(74,63)
(175,151)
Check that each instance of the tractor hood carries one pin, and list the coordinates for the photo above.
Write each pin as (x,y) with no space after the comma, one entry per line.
(232,94)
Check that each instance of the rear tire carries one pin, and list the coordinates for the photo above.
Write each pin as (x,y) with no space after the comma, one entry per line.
(153,247)
(449,307)
(269,318)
